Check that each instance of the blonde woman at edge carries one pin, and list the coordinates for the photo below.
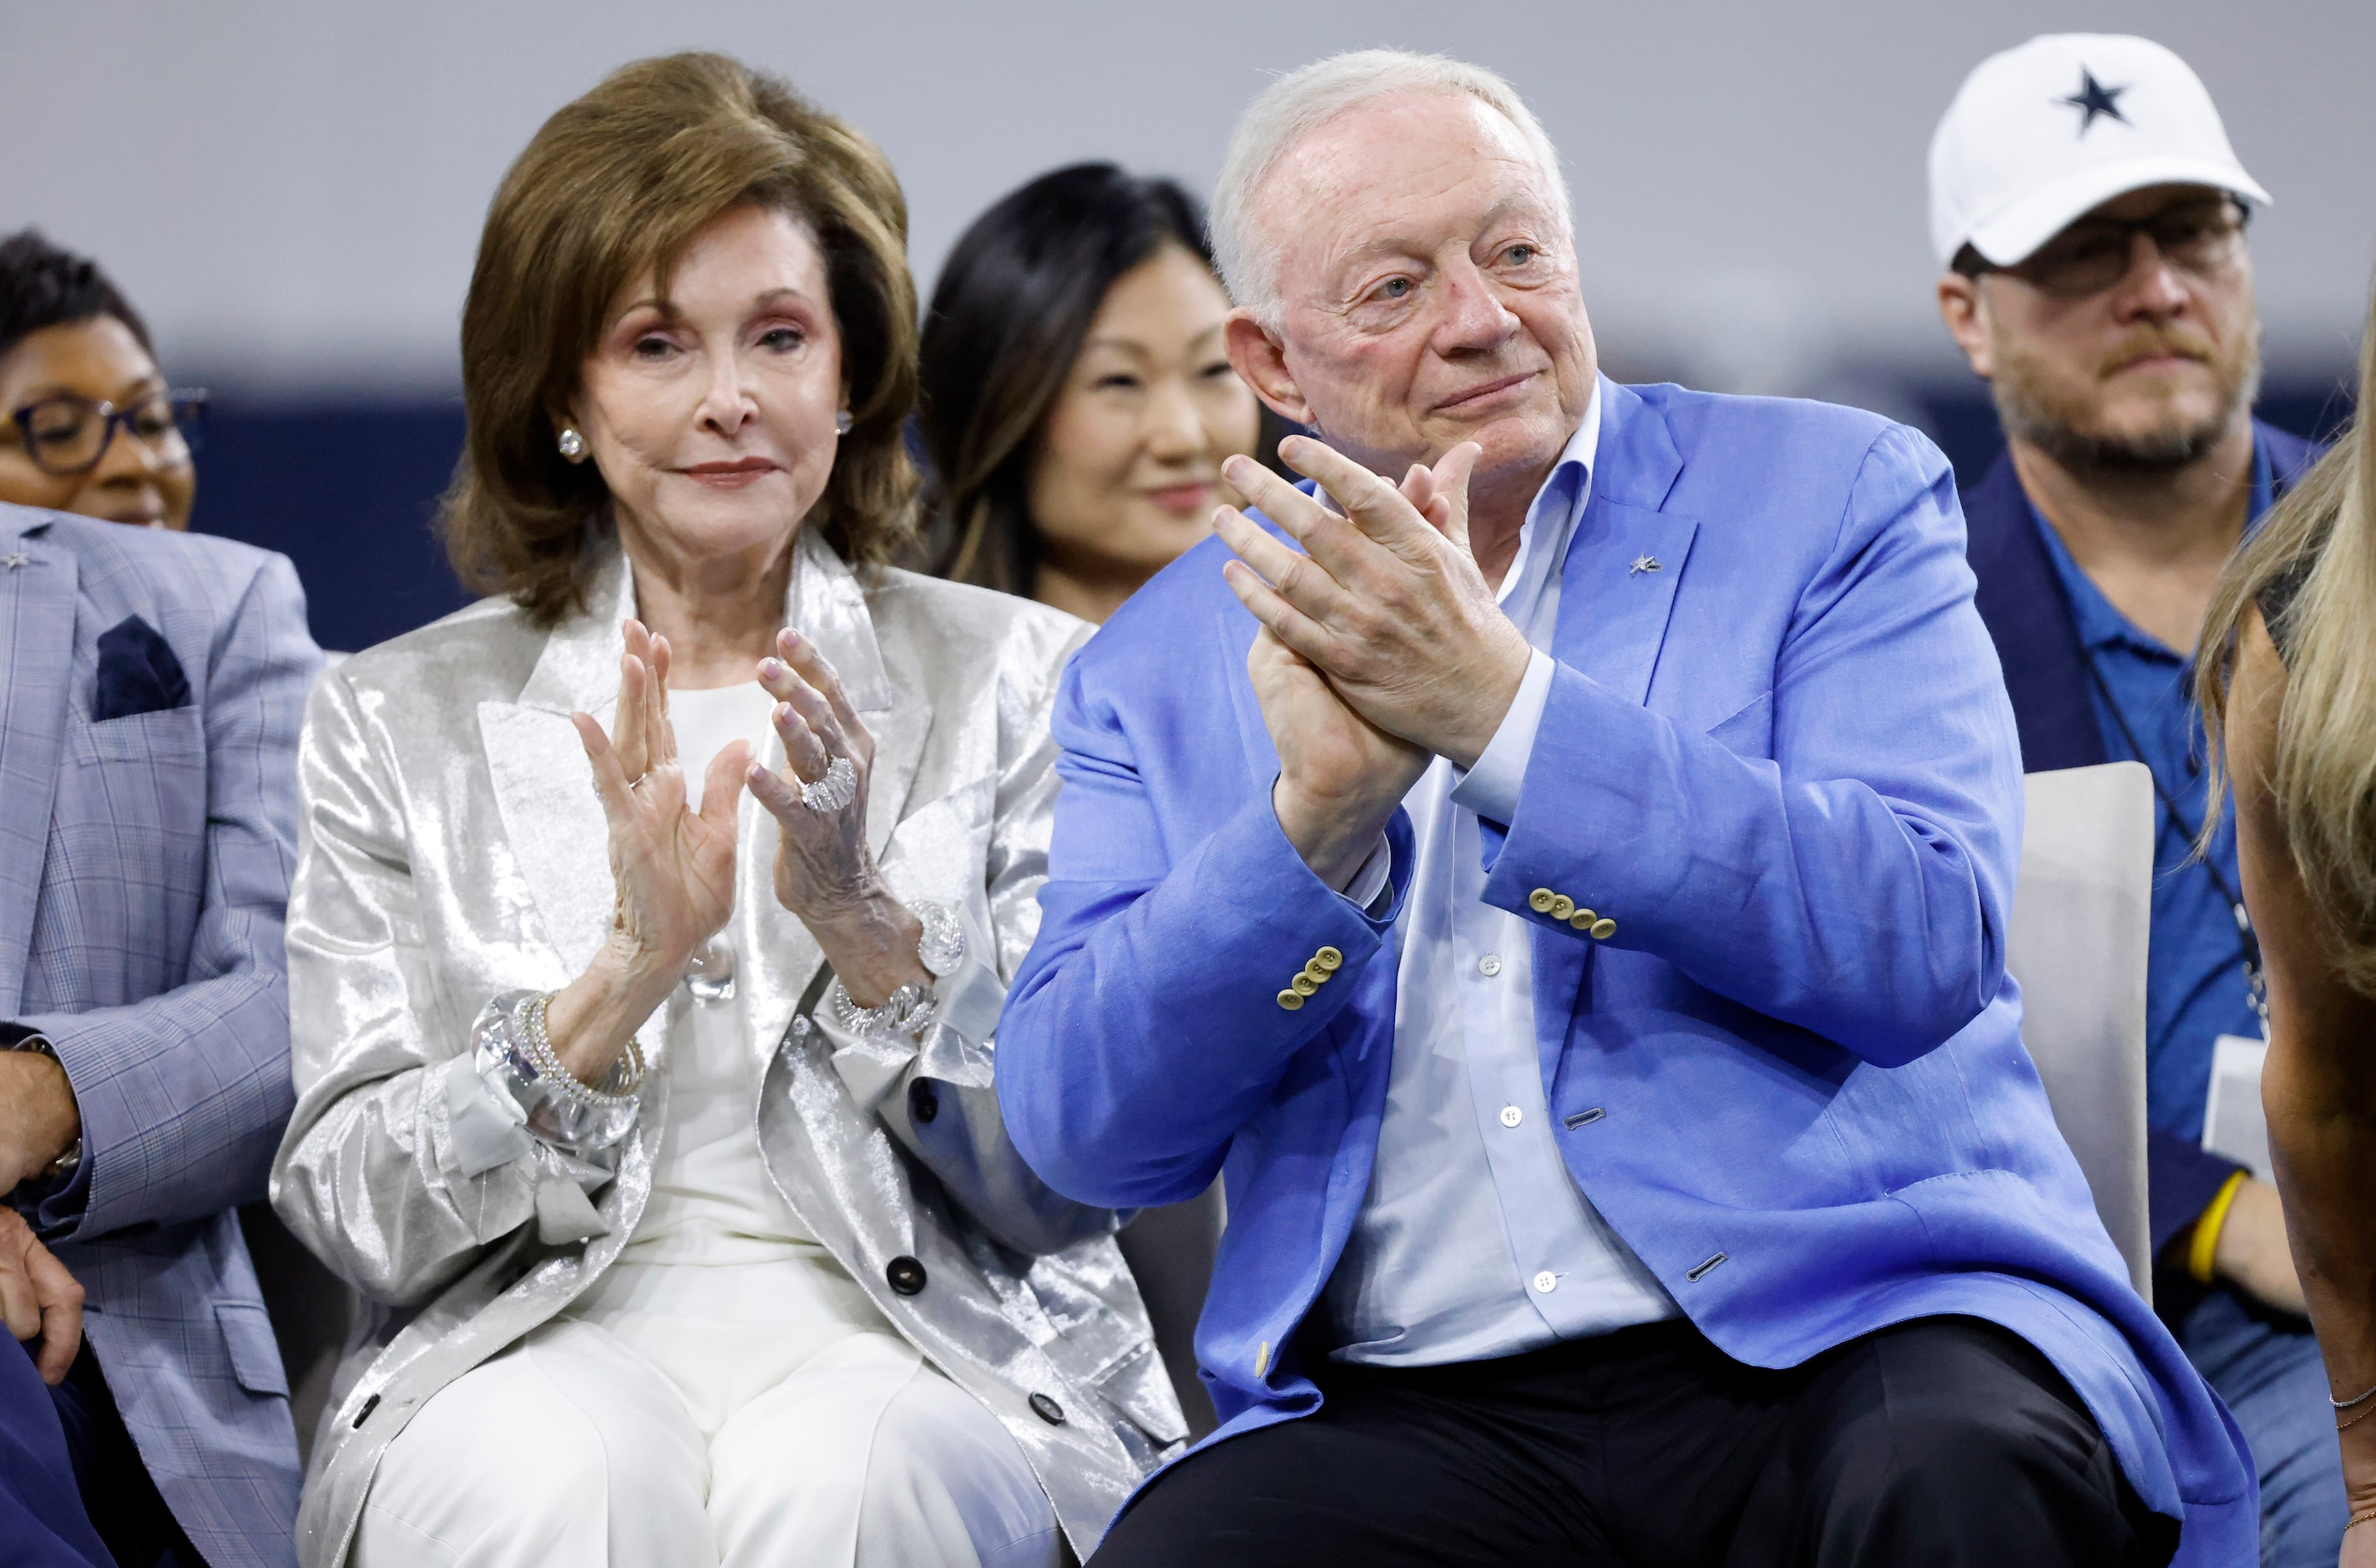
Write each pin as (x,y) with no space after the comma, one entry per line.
(677,1252)
(2289,675)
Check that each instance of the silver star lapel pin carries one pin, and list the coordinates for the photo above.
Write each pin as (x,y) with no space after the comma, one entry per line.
(15,559)
(1643,563)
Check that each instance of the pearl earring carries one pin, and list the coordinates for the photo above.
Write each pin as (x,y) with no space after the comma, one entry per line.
(573,445)
(841,422)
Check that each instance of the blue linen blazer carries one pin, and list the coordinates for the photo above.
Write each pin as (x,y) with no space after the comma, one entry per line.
(2030,618)
(1792,1079)
(144,874)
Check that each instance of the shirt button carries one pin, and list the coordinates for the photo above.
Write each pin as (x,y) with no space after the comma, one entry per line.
(1545,1282)
(1512,1116)
(1489,965)
(905,1276)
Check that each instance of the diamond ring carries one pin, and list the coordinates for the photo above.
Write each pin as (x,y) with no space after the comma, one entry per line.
(834,790)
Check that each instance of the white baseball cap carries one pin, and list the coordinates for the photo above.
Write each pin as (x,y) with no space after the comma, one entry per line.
(2041,134)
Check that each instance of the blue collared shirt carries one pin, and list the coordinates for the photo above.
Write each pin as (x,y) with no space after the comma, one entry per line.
(2195,989)
(1473,1239)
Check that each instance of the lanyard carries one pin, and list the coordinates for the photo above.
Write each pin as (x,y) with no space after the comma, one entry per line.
(2248,941)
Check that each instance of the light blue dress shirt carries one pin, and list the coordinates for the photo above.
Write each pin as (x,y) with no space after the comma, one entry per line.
(1473,1239)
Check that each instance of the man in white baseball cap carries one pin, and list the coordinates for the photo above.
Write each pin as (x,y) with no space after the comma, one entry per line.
(2090,217)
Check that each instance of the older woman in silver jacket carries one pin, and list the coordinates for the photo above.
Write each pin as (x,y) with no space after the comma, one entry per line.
(657,1123)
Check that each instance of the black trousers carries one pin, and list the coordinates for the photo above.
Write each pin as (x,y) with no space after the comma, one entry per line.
(1942,1442)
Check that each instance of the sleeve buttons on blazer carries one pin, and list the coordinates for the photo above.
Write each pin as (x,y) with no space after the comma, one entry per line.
(1542,899)
(1329,959)
(1563,907)
(1313,972)
(1291,999)
(1603,929)
(905,1276)
(1303,985)
(1582,919)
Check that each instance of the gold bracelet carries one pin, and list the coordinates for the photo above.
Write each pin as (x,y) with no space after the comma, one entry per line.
(2362,1517)
(2347,1426)
(2204,1249)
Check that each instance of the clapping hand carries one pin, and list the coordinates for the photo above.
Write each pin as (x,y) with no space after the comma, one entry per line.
(1387,600)
(673,869)
(825,873)
(822,863)
(1342,769)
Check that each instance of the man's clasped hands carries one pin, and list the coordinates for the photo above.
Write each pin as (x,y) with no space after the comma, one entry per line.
(1382,644)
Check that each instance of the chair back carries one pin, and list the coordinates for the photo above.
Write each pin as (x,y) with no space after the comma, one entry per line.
(2076,941)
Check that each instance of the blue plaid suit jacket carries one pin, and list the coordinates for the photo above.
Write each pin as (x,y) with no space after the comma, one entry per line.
(144,871)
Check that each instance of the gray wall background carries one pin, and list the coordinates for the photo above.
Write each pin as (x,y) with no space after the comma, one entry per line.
(293,191)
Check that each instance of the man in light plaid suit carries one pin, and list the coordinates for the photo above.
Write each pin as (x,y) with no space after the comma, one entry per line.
(154,686)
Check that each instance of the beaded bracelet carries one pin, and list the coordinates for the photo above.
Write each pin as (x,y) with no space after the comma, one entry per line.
(619,1085)
(906,1011)
(514,1058)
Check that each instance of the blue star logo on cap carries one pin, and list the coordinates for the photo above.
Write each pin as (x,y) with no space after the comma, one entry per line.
(2094,99)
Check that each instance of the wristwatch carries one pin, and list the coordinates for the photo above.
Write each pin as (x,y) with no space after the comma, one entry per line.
(942,946)
(63,1166)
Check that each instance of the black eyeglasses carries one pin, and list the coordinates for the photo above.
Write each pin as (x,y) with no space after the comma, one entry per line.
(2200,238)
(67,435)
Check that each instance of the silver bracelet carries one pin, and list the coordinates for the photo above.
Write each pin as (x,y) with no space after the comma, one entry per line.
(514,1055)
(906,1011)
(620,1084)
(2356,1399)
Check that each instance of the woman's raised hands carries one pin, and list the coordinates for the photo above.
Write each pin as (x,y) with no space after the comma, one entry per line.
(673,868)
(825,873)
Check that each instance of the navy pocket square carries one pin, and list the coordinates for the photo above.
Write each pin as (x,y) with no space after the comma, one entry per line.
(137,672)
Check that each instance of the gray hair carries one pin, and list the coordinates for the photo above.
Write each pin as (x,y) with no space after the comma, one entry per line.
(1295,105)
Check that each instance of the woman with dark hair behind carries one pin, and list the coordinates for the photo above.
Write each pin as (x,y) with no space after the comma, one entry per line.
(2288,686)
(1078,406)
(1077,402)
(87,424)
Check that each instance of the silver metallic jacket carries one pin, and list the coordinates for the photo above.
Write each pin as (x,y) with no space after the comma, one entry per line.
(452,849)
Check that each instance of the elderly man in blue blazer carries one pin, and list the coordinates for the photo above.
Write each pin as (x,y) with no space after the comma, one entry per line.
(147,741)
(1560,880)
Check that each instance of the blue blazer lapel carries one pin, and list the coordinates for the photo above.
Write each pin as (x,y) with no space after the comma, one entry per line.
(37,623)
(1617,587)
(1617,591)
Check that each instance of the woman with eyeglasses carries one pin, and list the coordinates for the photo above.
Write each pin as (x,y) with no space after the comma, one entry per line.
(87,422)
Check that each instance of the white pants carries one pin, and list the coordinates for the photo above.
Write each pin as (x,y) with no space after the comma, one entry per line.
(682,1416)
